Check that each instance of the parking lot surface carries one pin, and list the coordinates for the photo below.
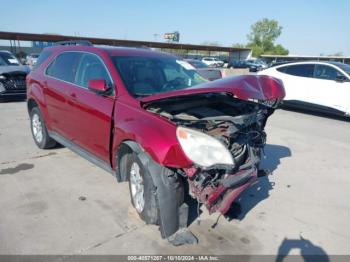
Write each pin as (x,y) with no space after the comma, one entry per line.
(55,202)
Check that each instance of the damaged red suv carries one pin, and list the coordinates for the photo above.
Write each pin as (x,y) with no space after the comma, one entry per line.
(149,118)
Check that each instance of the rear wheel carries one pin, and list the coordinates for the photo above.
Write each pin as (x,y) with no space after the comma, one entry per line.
(39,131)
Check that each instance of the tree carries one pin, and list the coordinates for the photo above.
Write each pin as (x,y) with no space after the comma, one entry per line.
(278,50)
(263,36)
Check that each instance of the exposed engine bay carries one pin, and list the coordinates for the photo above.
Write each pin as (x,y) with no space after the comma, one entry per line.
(238,125)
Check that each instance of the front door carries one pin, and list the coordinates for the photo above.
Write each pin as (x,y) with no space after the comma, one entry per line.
(91,113)
(326,91)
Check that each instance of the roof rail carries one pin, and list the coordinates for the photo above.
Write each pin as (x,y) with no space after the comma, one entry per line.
(75,42)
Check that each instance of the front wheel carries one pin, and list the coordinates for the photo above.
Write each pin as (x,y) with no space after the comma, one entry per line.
(156,192)
(142,190)
(40,135)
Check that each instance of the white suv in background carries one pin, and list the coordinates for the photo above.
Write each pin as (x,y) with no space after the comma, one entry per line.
(31,59)
(323,86)
(212,62)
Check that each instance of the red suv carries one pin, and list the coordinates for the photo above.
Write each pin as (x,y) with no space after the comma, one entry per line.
(149,118)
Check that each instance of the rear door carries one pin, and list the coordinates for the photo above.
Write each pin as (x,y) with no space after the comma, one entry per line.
(326,91)
(297,80)
(60,77)
(91,114)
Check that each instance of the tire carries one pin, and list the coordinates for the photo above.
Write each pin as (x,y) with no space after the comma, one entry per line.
(168,183)
(147,208)
(39,132)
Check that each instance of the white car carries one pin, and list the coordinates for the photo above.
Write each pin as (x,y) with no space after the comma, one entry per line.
(31,59)
(323,86)
(212,62)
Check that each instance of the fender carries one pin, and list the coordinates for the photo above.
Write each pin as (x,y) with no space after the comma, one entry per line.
(155,135)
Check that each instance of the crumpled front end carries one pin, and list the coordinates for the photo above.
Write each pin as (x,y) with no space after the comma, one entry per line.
(219,197)
(235,129)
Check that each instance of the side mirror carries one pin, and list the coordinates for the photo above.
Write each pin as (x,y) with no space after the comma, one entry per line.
(341,79)
(98,86)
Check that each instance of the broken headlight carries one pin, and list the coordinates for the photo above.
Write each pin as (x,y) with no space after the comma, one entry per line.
(202,149)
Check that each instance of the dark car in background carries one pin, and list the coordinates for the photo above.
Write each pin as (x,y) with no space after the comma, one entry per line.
(12,77)
(204,70)
(250,64)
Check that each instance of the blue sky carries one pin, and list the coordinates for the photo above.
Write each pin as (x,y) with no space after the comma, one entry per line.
(310,27)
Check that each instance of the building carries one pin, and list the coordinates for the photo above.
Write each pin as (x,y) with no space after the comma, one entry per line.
(41,44)
(39,40)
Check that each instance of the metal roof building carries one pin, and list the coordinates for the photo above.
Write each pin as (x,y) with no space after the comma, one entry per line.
(232,52)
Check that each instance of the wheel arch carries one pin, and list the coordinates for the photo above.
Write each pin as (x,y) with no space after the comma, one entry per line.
(36,97)
(31,103)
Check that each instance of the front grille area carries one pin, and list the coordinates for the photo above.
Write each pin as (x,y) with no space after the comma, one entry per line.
(14,83)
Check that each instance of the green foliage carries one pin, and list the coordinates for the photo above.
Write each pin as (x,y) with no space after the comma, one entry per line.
(256,50)
(264,33)
(263,36)
(277,50)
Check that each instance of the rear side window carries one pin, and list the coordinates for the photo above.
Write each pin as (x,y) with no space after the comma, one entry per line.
(64,66)
(41,59)
(306,70)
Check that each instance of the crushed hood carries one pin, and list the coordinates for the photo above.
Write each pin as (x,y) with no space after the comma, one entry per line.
(245,87)
(10,69)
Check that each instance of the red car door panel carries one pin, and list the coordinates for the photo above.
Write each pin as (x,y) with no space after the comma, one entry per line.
(90,120)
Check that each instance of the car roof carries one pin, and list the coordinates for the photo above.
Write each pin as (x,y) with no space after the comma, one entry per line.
(112,51)
(334,63)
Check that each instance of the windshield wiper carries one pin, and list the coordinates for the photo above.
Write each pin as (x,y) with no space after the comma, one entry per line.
(141,95)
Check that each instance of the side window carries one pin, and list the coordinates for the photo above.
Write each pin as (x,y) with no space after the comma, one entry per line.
(91,67)
(281,69)
(326,72)
(306,70)
(64,66)
(41,59)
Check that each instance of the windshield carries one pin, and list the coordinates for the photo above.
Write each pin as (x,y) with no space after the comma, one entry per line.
(345,68)
(7,59)
(144,76)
